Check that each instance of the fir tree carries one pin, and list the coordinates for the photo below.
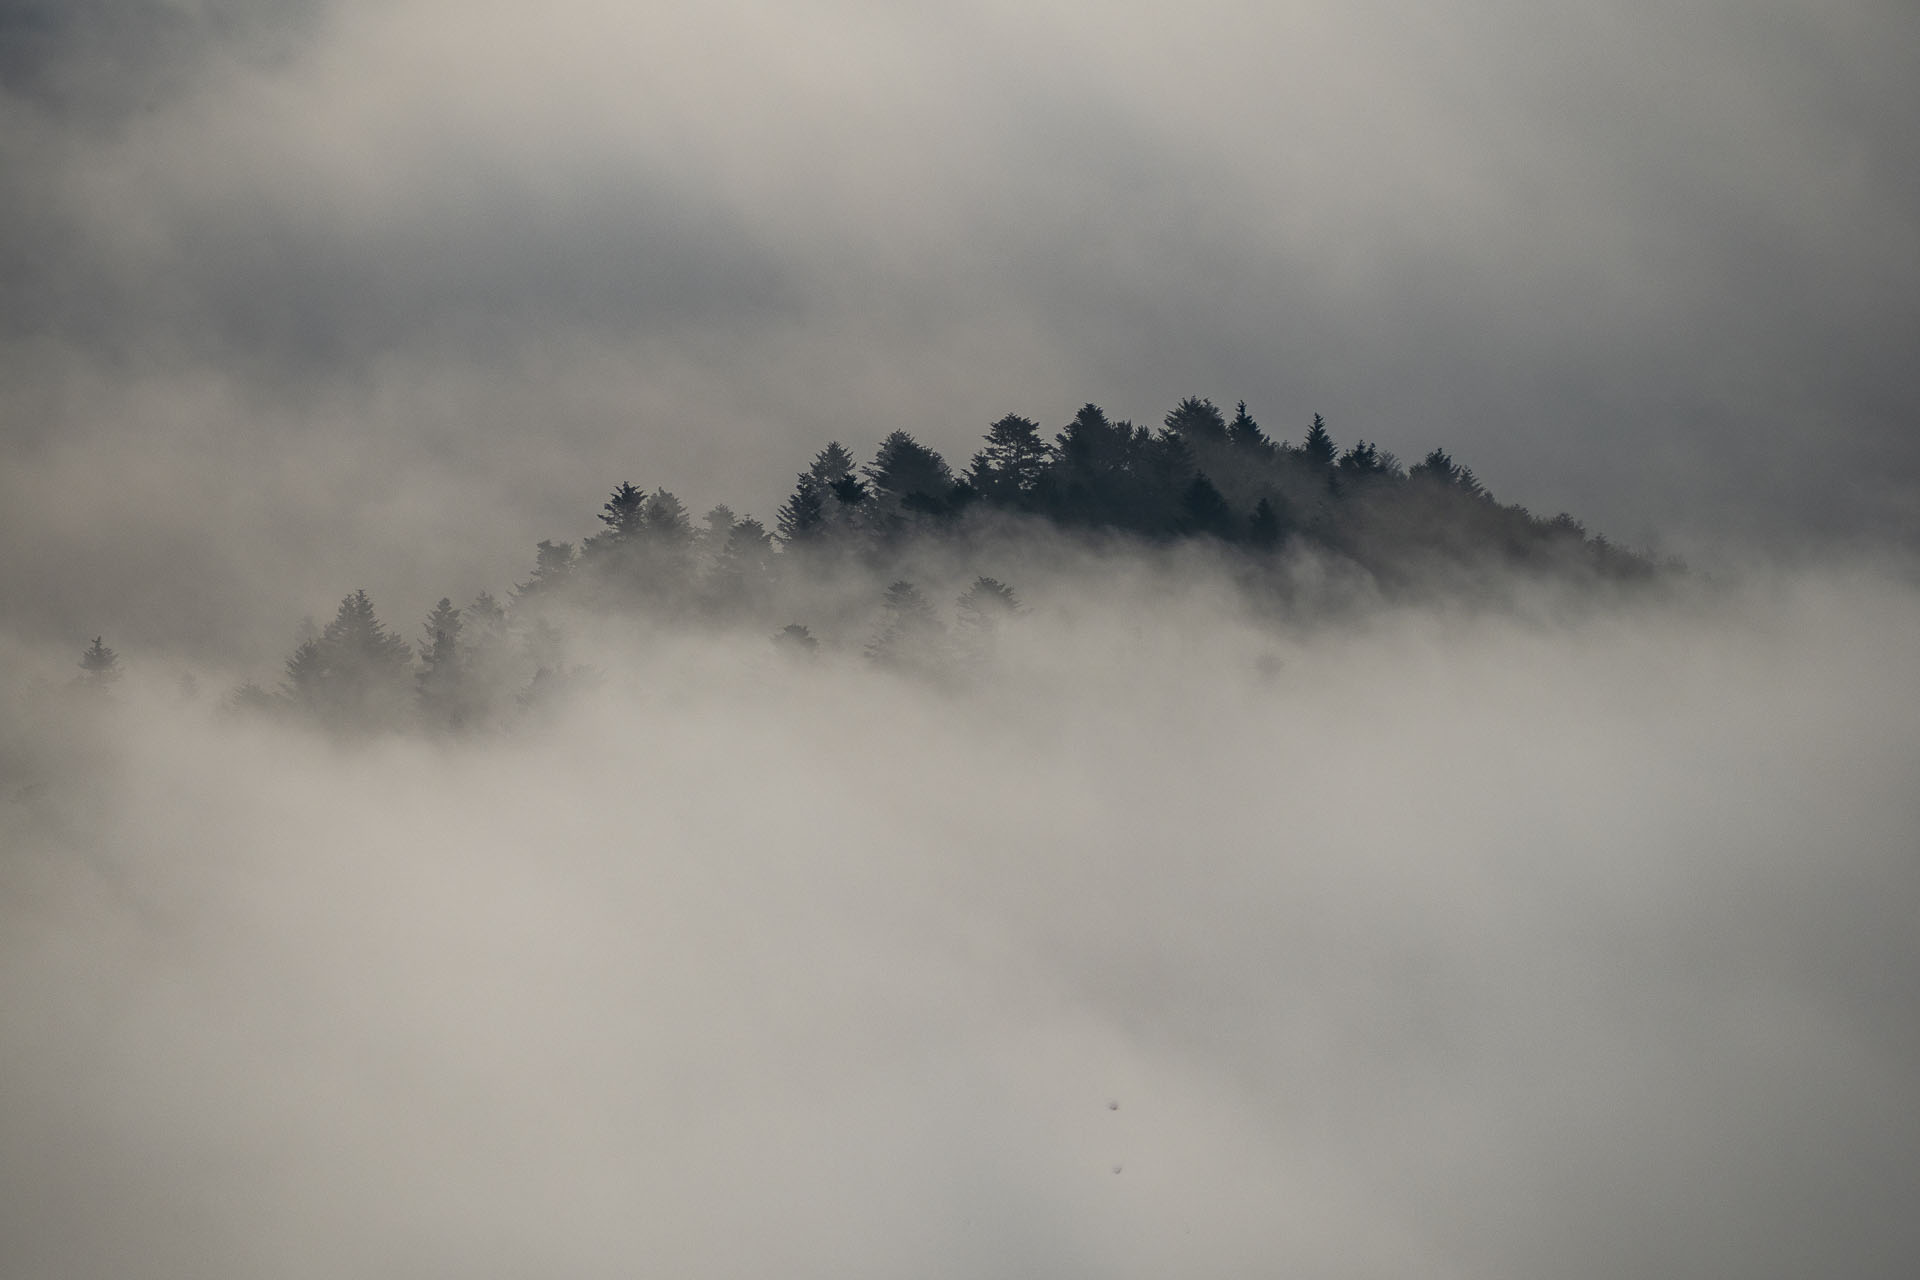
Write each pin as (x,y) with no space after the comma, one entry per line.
(1264,526)
(99,666)
(440,678)
(1011,462)
(802,518)
(1244,434)
(1198,422)
(1318,448)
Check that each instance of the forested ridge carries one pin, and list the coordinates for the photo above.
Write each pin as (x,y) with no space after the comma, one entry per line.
(1203,478)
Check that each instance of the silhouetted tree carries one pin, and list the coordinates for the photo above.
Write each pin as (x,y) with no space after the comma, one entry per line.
(441,676)
(666,521)
(910,636)
(796,641)
(1245,435)
(802,517)
(1011,462)
(355,674)
(99,666)
(624,513)
(986,604)
(1204,511)
(830,464)
(553,566)
(1198,422)
(903,466)
(1318,448)
(719,523)
(1265,528)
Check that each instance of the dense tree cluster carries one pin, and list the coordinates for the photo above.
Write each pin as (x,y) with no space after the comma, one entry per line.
(1201,476)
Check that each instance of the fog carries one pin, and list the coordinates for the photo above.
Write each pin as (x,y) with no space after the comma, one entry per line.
(1216,915)
(321,293)
(1566,937)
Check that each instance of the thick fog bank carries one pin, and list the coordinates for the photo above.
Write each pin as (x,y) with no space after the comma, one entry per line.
(1169,942)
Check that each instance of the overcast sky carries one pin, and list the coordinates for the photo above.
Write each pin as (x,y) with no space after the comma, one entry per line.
(321,294)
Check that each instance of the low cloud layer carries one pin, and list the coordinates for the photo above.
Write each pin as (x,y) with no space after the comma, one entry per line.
(1571,942)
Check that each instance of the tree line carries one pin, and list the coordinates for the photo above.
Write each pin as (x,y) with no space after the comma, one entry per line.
(1202,476)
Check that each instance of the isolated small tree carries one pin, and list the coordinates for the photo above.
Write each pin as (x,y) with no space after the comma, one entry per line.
(795,641)
(99,667)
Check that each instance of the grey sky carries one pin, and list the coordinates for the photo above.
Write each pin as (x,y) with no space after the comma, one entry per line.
(320,295)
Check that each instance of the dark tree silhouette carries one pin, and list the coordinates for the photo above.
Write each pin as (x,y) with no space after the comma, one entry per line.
(1010,464)
(986,604)
(903,466)
(802,518)
(355,674)
(1204,511)
(1265,528)
(553,566)
(623,513)
(1198,422)
(1245,435)
(796,641)
(441,676)
(99,666)
(1318,447)
(910,636)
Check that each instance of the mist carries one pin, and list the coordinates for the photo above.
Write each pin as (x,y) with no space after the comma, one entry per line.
(1410,884)
(312,294)
(1560,937)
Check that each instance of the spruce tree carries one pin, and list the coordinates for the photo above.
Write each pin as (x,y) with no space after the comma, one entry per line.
(1318,448)
(1011,462)
(99,666)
